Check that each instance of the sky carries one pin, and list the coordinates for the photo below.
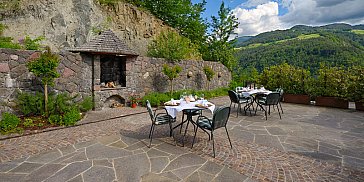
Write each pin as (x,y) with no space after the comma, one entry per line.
(257,16)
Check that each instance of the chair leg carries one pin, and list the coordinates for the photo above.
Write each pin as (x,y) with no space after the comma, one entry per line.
(269,110)
(150,132)
(280,106)
(183,116)
(279,112)
(194,137)
(170,129)
(213,143)
(184,135)
(265,111)
(151,136)
(237,111)
(228,137)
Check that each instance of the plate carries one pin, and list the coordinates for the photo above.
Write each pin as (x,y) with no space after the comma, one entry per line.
(169,104)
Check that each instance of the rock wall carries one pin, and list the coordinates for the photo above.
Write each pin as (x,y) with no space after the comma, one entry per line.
(143,75)
(70,23)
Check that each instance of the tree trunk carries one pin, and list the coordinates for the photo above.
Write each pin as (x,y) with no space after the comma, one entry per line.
(171,88)
(46,99)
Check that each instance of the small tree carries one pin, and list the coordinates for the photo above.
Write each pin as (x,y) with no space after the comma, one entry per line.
(45,67)
(209,75)
(171,73)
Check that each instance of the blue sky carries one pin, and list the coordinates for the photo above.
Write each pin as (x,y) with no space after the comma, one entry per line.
(257,16)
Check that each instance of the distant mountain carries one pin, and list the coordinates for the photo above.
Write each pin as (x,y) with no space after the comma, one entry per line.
(305,46)
(242,39)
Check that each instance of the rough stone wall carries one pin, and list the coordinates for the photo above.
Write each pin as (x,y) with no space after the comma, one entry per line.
(14,76)
(150,77)
(143,75)
(69,23)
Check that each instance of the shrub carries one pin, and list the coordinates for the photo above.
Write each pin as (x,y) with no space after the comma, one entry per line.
(356,84)
(155,98)
(60,103)
(292,79)
(86,104)
(28,123)
(30,104)
(9,122)
(55,119)
(174,47)
(32,44)
(72,116)
(330,82)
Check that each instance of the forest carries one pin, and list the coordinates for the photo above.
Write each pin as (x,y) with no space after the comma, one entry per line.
(304,46)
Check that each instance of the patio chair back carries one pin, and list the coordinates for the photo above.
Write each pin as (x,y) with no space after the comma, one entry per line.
(234,98)
(150,110)
(272,98)
(239,89)
(220,117)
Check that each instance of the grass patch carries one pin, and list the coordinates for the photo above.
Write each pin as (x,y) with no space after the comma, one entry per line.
(300,37)
(360,32)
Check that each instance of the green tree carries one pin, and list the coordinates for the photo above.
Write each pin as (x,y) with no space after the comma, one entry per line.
(171,73)
(172,46)
(218,47)
(209,75)
(45,67)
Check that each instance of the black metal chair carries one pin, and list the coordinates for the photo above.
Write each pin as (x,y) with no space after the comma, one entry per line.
(271,99)
(219,120)
(158,119)
(281,92)
(234,98)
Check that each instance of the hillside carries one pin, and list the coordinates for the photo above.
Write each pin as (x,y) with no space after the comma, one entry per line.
(70,23)
(335,44)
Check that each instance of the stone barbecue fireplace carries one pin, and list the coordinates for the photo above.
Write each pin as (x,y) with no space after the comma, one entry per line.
(113,72)
(108,56)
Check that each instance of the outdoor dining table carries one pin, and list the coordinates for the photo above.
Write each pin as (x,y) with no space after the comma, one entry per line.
(253,93)
(189,107)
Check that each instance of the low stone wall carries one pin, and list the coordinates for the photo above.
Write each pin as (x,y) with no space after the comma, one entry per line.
(143,75)
(14,76)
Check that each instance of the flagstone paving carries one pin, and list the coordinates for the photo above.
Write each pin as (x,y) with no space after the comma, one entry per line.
(308,144)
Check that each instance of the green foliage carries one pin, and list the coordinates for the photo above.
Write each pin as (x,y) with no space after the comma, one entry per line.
(172,46)
(86,104)
(292,79)
(331,82)
(55,119)
(9,123)
(2,28)
(9,6)
(30,104)
(60,103)
(356,84)
(305,47)
(72,116)
(157,99)
(171,73)
(7,42)
(108,2)
(218,47)
(32,44)
(28,123)
(179,14)
(45,67)
(209,75)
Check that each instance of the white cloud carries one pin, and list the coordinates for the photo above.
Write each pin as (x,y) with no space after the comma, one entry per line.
(257,16)
(318,12)
(260,19)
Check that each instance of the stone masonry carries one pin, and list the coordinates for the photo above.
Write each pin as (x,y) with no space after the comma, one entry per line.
(143,75)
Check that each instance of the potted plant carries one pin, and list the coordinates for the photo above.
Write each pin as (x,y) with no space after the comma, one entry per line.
(134,100)
(356,87)
(330,87)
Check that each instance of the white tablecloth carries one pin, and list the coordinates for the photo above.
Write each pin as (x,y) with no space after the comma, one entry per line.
(255,91)
(173,110)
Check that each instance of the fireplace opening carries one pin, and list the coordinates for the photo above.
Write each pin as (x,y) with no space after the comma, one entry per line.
(113,71)
(114,101)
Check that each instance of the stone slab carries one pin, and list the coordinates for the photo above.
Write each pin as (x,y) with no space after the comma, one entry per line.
(98,173)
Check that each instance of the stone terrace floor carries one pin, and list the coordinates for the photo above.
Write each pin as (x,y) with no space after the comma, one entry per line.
(308,144)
